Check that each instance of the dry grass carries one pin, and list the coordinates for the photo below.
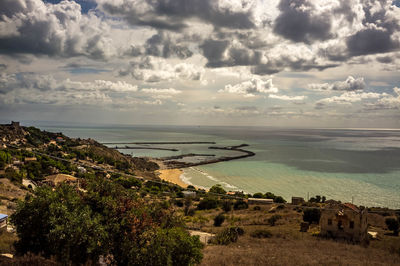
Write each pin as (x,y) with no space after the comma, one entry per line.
(6,242)
(279,251)
(288,246)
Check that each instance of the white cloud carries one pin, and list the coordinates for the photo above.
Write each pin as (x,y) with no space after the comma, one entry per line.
(151,69)
(350,97)
(350,84)
(251,87)
(287,98)
(161,91)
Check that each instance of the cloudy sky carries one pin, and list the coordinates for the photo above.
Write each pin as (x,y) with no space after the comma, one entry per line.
(295,63)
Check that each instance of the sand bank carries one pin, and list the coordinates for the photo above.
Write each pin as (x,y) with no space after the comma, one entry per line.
(173,176)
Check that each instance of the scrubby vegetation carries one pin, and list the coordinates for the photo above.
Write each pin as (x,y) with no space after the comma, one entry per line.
(107,221)
(261,233)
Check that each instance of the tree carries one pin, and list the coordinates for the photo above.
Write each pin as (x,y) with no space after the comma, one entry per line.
(207,203)
(217,189)
(56,224)
(318,198)
(311,215)
(393,225)
(107,220)
(5,158)
(240,205)
(323,199)
(270,195)
(219,219)
(258,195)
(279,199)
(227,205)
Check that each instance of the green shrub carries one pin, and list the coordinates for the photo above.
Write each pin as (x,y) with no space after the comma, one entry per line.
(261,233)
(269,195)
(219,219)
(179,203)
(228,235)
(258,195)
(227,205)
(280,207)
(273,219)
(393,225)
(208,203)
(279,199)
(312,215)
(108,220)
(217,189)
(240,205)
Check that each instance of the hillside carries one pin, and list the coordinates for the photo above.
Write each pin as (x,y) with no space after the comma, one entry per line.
(113,207)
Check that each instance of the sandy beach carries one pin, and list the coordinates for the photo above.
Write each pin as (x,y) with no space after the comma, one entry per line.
(173,176)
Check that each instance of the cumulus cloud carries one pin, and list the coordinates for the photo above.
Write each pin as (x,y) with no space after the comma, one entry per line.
(300,21)
(350,84)
(170,91)
(151,69)
(31,26)
(287,98)
(350,97)
(173,14)
(31,88)
(251,87)
(388,102)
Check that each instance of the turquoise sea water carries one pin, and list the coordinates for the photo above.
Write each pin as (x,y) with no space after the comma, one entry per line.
(363,165)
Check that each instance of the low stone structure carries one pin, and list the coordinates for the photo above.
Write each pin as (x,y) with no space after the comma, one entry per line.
(260,201)
(344,221)
(188,193)
(54,180)
(297,200)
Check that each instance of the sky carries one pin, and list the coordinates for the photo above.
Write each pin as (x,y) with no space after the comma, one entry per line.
(286,63)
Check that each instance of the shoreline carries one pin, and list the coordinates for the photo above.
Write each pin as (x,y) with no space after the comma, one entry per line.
(172,176)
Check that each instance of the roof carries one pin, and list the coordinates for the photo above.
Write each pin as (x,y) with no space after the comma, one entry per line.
(342,206)
(2,216)
(59,178)
(352,206)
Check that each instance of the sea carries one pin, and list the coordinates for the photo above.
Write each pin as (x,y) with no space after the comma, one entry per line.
(351,165)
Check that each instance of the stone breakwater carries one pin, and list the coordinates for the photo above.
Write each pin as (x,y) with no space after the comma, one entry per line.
(171,163)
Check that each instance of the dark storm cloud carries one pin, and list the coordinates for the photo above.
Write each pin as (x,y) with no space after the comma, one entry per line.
(161,45)
(296,22)
(213,50)
(171,14)
(378,37)
(285,62)
(371,41)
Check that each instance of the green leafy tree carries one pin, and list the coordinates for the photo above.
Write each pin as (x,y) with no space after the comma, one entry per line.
(5,158)
(219,219)
(57,224)
(279,199)
(107,220)
(240,205)
(217,189)
(208,203)
(393,225)
(258,195)
(227,205)
(312,215)
(270,195)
